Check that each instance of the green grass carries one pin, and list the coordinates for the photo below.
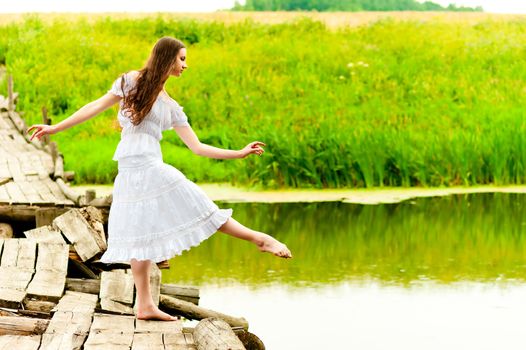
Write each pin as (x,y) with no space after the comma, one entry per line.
(423,103)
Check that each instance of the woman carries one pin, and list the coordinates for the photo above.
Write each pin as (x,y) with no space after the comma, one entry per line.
(156,211)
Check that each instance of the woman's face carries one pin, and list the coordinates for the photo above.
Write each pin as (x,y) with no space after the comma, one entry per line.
(180,63)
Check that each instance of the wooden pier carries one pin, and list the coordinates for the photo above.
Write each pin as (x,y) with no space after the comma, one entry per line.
(55,294)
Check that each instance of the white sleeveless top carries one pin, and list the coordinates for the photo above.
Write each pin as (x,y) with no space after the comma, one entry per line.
(143,139)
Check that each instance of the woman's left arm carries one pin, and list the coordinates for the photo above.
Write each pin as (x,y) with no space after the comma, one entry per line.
(190,139)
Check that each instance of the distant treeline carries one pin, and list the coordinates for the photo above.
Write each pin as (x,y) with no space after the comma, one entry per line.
(348,5)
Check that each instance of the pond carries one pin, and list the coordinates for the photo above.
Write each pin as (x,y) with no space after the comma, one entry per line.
(434,273)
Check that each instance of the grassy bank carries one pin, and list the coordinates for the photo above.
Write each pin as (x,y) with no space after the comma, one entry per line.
(397,103)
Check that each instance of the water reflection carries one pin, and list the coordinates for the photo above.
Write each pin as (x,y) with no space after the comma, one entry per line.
(456,238)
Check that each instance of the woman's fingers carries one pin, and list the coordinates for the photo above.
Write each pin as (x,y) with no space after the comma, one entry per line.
(257,143)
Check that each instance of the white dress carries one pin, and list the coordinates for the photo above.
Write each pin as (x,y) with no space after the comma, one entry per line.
(156,212)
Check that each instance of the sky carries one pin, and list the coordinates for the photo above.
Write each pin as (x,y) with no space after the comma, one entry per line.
(17,6)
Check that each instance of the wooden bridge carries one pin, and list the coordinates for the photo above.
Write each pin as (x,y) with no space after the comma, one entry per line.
(33,184)
(43,302)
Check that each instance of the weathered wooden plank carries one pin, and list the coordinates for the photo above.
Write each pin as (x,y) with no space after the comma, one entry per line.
(174,341)
(19,342)
(77,230)
(11,298)
(26,254)
(15,278)
(71,322)
(44,192)
(143,326)
(16,195)
(16,172)
(62,341)
(110,332)
(10,253)
(47,285)
(77,302)
(54,188)
(116,291)
(117,323)
(147,341)
(51,268)
(214,333)
(45,234)
(53,257)
(4,196)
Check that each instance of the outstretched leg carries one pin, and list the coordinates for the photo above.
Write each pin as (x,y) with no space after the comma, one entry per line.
(146,309)
(264,242)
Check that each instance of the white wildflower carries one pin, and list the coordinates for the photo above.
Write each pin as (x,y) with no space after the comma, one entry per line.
(350,65)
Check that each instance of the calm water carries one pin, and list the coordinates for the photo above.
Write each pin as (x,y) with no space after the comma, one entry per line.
(437,273)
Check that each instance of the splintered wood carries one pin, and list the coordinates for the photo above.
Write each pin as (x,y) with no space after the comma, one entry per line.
(87,240)
(45,234)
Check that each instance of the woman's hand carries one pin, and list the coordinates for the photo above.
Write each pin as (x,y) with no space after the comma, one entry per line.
(41,130)
(255,147)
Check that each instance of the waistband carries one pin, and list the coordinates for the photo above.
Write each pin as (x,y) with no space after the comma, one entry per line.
(138,162)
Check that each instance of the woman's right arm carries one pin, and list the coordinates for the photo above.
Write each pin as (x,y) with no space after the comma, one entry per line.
(84,113)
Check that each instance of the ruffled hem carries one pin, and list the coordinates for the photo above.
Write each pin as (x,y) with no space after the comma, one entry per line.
(171,243)
(137,144)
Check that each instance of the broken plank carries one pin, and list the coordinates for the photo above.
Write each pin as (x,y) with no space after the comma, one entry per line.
(116,286)
(11,298)
(45,234)
(77,230)
(47,285)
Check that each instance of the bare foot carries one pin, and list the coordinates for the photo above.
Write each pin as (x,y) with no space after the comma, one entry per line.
(153,313)
(272,245)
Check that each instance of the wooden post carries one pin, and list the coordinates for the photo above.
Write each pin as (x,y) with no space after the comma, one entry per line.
(53,149)
(11,100)
(46,121)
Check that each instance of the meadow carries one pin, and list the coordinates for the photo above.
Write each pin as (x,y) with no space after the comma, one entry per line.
(386,102)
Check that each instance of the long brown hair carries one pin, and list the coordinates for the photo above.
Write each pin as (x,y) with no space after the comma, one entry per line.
(151,78)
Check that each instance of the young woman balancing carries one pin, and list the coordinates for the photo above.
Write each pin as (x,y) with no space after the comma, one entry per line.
(156,211)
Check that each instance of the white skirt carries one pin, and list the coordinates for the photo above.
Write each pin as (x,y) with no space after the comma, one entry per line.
(157,212)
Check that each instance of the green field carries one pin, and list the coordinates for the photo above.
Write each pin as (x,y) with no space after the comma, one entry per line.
(385,103)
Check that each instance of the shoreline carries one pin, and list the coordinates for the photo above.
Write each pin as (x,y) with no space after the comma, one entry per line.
(386,195)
